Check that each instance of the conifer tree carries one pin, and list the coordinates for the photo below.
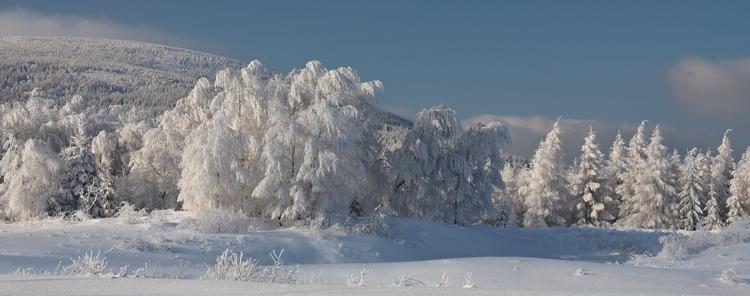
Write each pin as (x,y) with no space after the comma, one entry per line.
(722,167)
(690,211)
(653,192)
(713,211)
(545,192)
(590,189)
(615,171)
(636,156)
(80,183)
(738,204)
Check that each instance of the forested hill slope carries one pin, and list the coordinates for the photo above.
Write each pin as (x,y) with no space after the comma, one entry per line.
(103,71)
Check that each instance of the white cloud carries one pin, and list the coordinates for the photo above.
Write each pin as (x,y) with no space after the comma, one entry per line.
(22,22)
(526,132)
(712,89)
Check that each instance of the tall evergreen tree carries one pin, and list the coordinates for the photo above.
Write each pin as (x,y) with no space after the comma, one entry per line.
(738,204)
(713,211)
(653,190)
(634,162)
(545,192)
(690,211)
(722,167)
(594,204)
(80,183)
(615,170)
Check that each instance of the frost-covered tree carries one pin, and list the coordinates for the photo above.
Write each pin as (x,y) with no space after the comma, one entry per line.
(481,147)
(545,190)
(653,191)
(80,184)
(427,183)
(636,156)
(615,170)
(713,220)
(721,170)
(211,174)
(32,181)
(508,202)
(282,154)
(9,164)
(154,170)
(691,194)
(738,204)
(330,180)
(592,196)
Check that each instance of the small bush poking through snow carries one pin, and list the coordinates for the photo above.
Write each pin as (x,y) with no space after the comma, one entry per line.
(127,214)
(357,280)
(444,282)
(235,267)
(468,281)
(87,264)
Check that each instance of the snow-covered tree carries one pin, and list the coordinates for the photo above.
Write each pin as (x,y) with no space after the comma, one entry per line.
(32,181)
(713,211)
(545,190)
(592,196)
(653,191)
(738,204)
(508,202)
(154,170)
(283,156)
(634,162)
(691,194)
(721,170)
(481,146)
(211,174)
(9,164)
(615,170)
(80,184)
(330,181)
(427,181)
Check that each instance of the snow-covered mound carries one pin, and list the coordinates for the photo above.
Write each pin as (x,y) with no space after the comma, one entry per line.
(105,71)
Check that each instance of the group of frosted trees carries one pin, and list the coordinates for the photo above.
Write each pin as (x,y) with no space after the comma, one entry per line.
(641,185)
(310,145)
(301,146)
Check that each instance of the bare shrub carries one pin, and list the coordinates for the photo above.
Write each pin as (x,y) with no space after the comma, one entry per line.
(87,264)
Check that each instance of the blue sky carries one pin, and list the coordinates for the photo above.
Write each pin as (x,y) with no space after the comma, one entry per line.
(611,61)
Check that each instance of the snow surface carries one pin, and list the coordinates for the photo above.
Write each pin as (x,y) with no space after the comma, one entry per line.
(174,253)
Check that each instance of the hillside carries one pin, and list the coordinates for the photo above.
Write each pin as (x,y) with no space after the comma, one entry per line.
(109,71)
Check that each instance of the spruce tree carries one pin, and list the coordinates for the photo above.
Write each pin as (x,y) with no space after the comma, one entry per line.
(713,211)
(738,204)
(636,156)
(690,211)
(722,167)
(589,186)
(616,170)
(653,192)
(544,191)
(80,184)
